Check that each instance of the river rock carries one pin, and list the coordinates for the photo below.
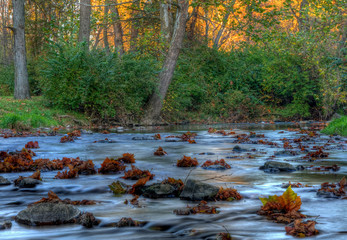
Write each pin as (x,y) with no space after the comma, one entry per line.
(197,191)
(4,181)
(88,220)
(159,190)
(5,225)
(274,167)
(48,214)
(237,148)
(28,183)
(285,153)
(143,138)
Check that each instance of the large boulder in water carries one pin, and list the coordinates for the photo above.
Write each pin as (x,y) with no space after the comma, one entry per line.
(274,167)
(48,214)
(197,191)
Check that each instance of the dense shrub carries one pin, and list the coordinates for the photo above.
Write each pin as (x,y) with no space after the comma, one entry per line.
(97,83)
(285,77)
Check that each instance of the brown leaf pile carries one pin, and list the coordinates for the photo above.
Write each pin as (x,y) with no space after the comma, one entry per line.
(228,194)
(302,229)
(18,161)
(136,188)
(160,152)
(157,136)
(136,174)
(217,162)
(72,173)
(202,208)
(53,198)
(127,158)
(336,189)
(32,144)
(111,166)
(187,162)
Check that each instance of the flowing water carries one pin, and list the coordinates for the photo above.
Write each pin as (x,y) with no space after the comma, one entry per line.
(238,217)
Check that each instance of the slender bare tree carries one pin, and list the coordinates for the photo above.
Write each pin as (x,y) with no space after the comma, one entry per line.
(21,83)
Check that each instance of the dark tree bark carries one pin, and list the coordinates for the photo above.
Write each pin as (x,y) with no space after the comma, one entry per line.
(84,31)
(155,103)
(21,83)
(118,30)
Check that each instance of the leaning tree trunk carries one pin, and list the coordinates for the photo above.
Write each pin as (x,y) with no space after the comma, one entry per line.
(84,31)
(155,103)
(21,83)
(216,43)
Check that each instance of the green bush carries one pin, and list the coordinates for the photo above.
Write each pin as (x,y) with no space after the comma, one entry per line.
(96,83)
(6,80)
(283,77)
(337,126)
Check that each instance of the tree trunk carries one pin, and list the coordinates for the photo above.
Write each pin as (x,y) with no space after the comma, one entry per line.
(343,38)
(118,31)
(134,31)
(166,20)
(206,25)
(221,30)
(21,83)
(193,23)
(84,31)
(155,103)
(105,22)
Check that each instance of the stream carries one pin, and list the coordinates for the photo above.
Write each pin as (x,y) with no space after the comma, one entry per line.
(239,218)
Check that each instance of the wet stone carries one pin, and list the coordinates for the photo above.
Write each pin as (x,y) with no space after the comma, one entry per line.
(197,191)
(5,225)
(88,220)
(48,214)
(275,167)
(160,190)
(143,138)
(237,148)
(4,181)
(28,183)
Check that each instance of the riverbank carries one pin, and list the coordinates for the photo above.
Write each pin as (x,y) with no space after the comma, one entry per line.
(28,114)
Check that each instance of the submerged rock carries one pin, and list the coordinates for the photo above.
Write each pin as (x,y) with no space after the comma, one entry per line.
(48,214)
(160,190)
(197,191)
(274,167)
(5,225)
(144,138)
(28,183)
(4,181)
(237,148)
(88,220)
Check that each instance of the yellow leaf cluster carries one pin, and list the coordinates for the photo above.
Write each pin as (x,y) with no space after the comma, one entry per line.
(289,201)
